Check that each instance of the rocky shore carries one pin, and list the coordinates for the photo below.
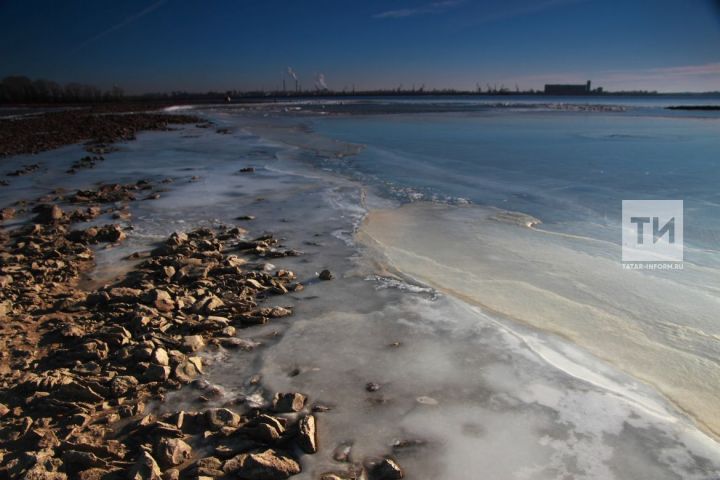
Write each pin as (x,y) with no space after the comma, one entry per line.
(84,371)
(97,127)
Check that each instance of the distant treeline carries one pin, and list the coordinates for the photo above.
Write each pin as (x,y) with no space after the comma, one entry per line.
(21,89)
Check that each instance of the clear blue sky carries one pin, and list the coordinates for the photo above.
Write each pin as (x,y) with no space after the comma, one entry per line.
(162,45)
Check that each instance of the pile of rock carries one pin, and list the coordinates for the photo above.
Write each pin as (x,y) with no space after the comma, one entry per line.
(111,193)
(24,170)
(36,133)
(86,162)
(74,393)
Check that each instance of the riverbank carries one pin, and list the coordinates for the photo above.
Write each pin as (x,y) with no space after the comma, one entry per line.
(397,358)
(105,316)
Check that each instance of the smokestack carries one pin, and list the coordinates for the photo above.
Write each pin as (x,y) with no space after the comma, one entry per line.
(320,82)
(293,75)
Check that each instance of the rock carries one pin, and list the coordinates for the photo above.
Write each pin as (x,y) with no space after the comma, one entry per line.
(7,213)
(241,343)
(288,402)
(75,460)
(387,469)
(187,370)
(94,473)
(267,465)
(157,373)
(212,304)
(124,294)
(48,214)
(193,343)
(177,238)
(146,468)
(38,439)
(326,275)
(221,417)
(161,300)
(210,462)
(171,452)
(169,271)
(307,437)
(342,452)
(123,384)
(372,387)
(110,233)
(333,476)
(208,467)
(171,474)
(160,357)
(74,392)
(265,428)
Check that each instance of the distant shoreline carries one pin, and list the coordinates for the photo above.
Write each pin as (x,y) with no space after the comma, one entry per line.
(157,101)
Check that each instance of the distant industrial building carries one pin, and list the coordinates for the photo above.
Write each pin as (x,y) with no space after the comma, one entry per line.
(571,89)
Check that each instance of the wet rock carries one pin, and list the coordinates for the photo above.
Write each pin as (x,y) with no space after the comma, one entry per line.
(386,469)
(171,452)
(307,437)
(319,408)
(193,343)
(334,476)
(218,418)
(238,343)
(265,428)
(408,445)
(267,465)
(187,370)
(24,170)
(288,402)
(326,275)
(342,452)
(372,387)
(110,233)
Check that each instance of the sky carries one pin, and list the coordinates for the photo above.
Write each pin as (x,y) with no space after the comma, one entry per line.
(166,45)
